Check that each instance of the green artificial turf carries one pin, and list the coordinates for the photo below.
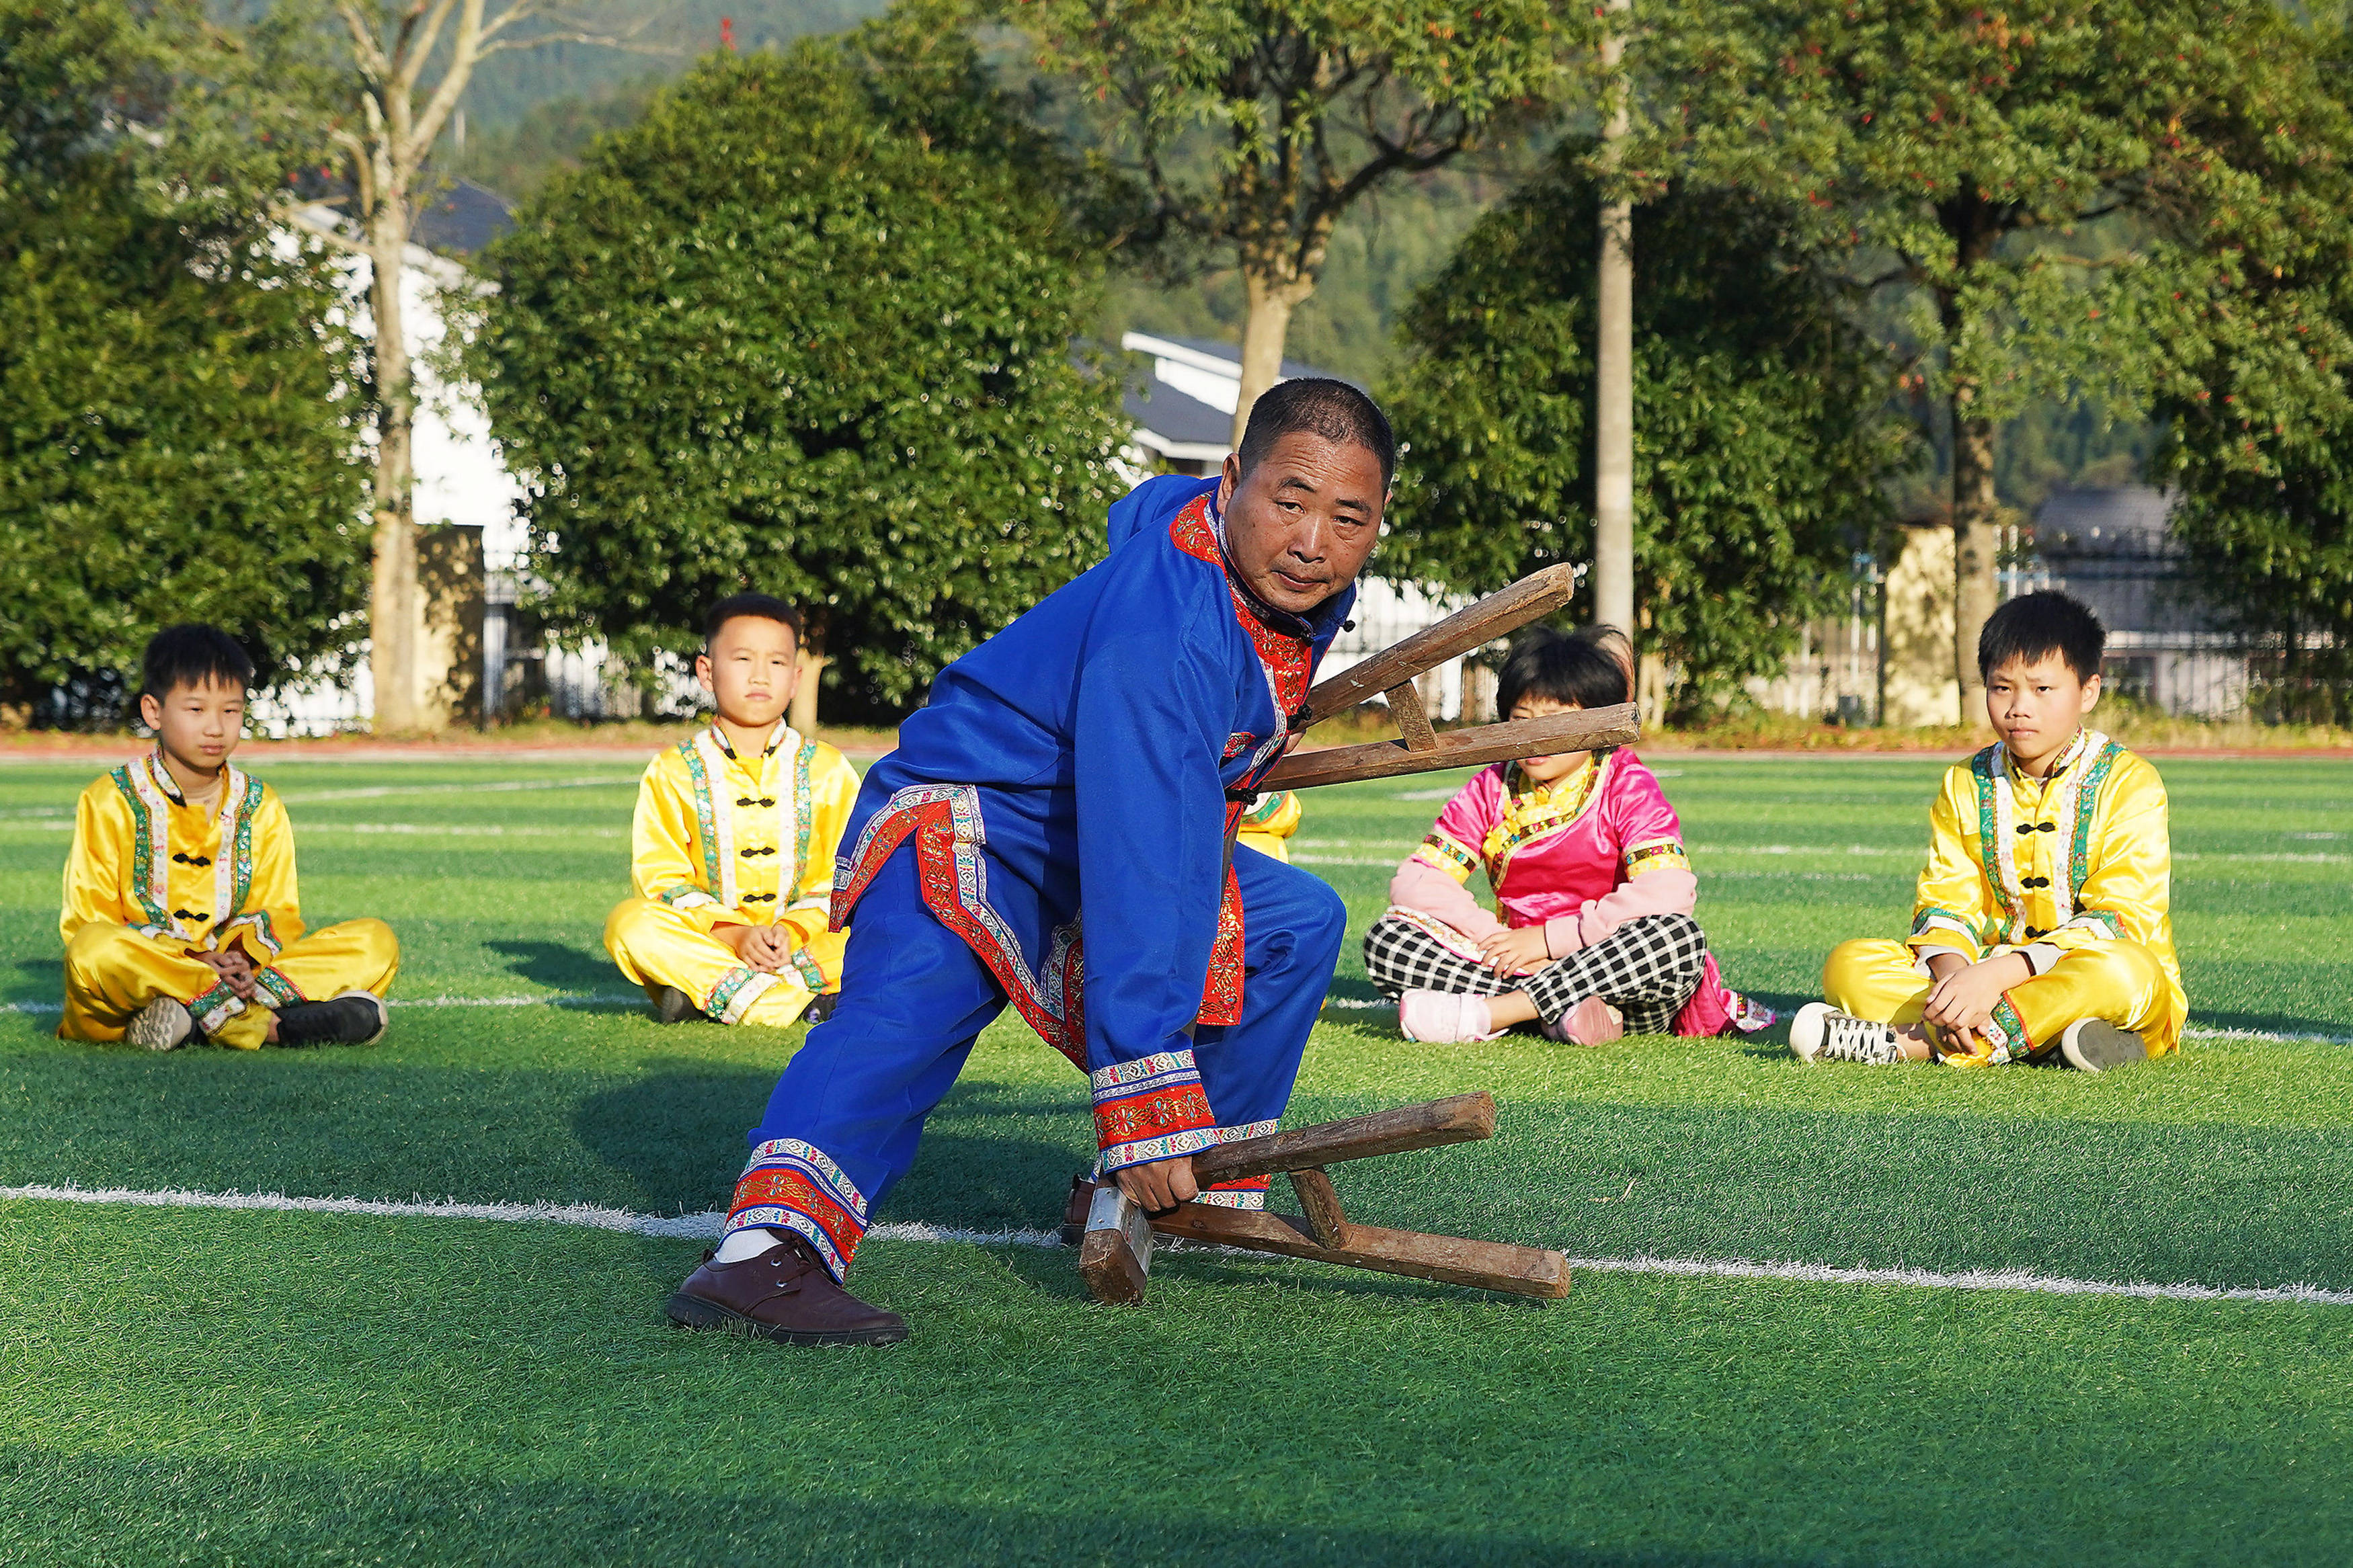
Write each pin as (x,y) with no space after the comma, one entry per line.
(233,1386)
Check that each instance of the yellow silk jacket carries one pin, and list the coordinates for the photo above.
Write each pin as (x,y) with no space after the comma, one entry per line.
(2036,867)
(730,840)
(1268,824)
(144,858)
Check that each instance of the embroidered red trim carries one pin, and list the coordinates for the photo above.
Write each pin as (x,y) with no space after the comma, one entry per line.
(773,1188)
(1155,1113)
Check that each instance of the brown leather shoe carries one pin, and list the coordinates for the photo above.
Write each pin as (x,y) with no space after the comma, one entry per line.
(785,1294)
(1075,1210)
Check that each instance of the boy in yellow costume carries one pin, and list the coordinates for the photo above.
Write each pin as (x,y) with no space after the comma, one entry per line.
(1268,824)
(2040,930)
(181,913)
(732,850)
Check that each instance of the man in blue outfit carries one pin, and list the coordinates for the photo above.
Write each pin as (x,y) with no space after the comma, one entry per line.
(1055,831)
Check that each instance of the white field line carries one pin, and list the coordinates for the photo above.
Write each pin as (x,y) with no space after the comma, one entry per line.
(707,1226)
(377,791)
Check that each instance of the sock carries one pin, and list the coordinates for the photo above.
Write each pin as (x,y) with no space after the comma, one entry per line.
(749,1242)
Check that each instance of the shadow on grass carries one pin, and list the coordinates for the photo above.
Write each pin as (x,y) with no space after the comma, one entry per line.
(150,1509)
(2208,1203)
(2266,1022)
(556,965)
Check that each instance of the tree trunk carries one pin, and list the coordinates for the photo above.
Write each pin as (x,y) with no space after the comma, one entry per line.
(1977,547)
(1613,424)
(802,715)
(393,621)
(1264,330)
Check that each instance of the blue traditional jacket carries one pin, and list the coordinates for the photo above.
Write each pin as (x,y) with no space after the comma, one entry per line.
(1068,788)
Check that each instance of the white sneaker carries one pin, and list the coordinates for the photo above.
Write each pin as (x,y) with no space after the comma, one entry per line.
(1444,1018)
(1820,1031)
(2095,1045)
(161,1026)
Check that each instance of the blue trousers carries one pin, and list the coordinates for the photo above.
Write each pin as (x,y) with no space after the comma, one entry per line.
(843,1123)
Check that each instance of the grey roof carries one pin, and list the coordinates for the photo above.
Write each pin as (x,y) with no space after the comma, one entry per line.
(2112,549)
(1174,416)
(461,217)
(2123,520)
(1183,419)
(1233,354)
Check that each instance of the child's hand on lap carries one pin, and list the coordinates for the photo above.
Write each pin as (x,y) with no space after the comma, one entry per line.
(1964,997)
(764,948)
(232,965)
(1516,951)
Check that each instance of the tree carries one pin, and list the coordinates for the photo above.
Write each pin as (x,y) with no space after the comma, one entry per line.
(805,329)
(178,422)
(2256,389)
(1311,105)
(410,61)
(1955,149)
(1759,458)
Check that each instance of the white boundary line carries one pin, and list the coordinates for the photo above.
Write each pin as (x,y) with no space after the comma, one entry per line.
(707,1226)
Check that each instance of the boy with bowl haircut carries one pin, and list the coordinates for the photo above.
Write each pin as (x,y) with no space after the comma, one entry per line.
(732,849)
(2040,930)
(181,910)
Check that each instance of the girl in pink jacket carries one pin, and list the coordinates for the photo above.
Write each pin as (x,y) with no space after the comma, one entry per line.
(1587,861)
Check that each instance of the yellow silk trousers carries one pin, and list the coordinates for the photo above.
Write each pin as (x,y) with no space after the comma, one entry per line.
(656,946)
(112,973)
(2121,982)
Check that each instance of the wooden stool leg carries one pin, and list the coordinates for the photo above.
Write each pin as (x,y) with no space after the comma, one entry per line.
(1321,1206)
(1116,1256)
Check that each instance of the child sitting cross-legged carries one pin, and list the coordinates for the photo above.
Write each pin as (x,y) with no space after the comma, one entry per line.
(2040,930)
(1587,861)
(181,919)
(731,849)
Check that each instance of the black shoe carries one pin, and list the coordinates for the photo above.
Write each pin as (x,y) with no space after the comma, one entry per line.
(672,1006)
(821,1006)
(352,1019)
(2095,1045)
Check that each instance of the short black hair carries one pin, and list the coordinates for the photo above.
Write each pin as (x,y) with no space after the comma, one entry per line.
(766,606)
(1317,406)
(2033,627)
(190,655)
(1579,667)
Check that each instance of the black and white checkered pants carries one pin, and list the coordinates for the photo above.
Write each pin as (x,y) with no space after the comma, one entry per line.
(1647,969)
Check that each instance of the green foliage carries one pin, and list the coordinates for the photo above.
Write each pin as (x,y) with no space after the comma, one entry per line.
(805,328)
(176,416)
(665,36)
(1253,127)
(1759,446)
(1965,150)
(2257,403)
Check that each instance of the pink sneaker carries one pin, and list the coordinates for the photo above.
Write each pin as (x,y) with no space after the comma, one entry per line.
(1591,1022)
(1444,1018)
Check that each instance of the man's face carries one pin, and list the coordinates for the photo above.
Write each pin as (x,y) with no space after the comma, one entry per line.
(750,671)
(1300,523)
(197,725)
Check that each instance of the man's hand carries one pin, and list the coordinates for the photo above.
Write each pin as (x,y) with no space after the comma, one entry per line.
(231,965)
(764,948)
(1162,1185)
(1963,997)
(1516,951)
